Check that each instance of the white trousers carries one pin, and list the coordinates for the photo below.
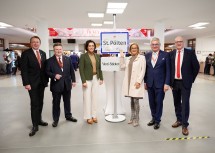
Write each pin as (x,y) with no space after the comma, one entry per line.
(90,94)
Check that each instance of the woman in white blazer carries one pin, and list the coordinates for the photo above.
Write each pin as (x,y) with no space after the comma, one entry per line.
(133,87)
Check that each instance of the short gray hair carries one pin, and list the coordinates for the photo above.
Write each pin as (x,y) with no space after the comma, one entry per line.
(155,39)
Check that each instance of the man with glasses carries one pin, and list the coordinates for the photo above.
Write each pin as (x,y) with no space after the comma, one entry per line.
(184,69)
(157,80)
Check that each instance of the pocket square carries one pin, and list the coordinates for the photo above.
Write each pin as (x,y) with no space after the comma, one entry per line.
(163,58)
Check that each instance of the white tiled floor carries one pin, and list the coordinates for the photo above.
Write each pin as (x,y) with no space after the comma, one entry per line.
(104,137)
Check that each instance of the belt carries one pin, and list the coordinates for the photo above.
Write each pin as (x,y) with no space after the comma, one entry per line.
(177,79)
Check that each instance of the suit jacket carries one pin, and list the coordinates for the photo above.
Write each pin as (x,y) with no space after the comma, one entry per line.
(68,74)
(86,68)
(189,68)
(31,72)
(160,74)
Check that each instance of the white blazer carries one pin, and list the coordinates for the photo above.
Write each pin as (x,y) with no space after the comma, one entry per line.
(137,75)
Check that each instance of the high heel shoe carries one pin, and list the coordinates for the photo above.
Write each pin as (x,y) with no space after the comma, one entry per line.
(130,122)
(89,121)
(95,120)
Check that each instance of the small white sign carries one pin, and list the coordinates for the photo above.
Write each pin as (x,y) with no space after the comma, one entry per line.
(110,64)
(114,42)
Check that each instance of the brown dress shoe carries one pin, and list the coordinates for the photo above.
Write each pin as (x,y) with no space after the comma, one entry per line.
(176,124)
(95,120)
(185,131)
(89,121)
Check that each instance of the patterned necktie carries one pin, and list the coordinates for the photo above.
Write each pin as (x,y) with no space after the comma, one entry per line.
(178,65)
(154,59)
(38,57)
(60,63)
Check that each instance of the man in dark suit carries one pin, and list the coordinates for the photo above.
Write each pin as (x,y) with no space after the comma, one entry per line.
(184,69)
(35,80)
(61,72)
(157,80)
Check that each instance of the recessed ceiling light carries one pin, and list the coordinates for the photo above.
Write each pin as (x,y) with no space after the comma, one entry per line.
(96,15)
(199,27)
(117,5)
(96,24)
(108,22)
(199,24)
(116,8)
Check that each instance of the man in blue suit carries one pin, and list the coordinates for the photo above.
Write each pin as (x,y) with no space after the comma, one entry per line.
(157,80)
(184,69)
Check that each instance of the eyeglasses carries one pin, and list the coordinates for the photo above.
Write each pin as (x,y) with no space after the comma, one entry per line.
(179,42)
(155,44)
(134,48)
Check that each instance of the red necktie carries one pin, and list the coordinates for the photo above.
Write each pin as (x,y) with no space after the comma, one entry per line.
(38,57)
(60,63)
(178,65)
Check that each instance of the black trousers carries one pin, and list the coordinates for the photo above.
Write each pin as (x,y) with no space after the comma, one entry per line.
(56,104)
(8,68)
(36,96)
(75,66)
(181,96)
(214,69)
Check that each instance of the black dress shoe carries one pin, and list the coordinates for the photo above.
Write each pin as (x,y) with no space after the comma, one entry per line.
(71,119)
(42,123)
(33,131)
(54,124)
(156,126)
(152,122)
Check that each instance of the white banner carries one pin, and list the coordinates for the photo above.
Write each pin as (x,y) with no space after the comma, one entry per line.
(110,64)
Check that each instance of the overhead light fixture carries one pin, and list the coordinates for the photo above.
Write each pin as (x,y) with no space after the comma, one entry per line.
(117,5)
(95,15)
(199,24)
(108,22)
(199,27)
(116,8)
(96,24)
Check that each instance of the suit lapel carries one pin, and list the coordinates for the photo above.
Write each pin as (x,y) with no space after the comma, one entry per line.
(97,60)
(64,61)
(88,58)
(173,58)
(150,59)
(56,63)
(34,58)
(184,56)
(160,57)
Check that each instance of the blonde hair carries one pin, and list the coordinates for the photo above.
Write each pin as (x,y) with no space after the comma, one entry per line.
(132,45)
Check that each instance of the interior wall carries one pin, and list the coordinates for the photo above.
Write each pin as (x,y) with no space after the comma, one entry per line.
(204,46)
